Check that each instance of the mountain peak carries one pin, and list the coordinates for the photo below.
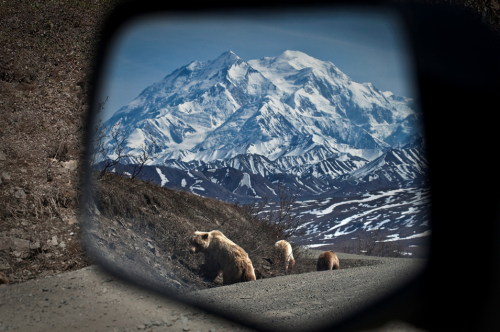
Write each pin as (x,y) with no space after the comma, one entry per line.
(194,65)
(299,60)
(227,57)
(293,54)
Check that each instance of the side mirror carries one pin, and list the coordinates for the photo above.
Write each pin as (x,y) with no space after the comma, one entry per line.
(296,115)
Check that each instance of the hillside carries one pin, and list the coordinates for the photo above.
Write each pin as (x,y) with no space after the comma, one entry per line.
(141,230)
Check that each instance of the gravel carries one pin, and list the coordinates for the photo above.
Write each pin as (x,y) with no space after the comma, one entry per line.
(91,300)
(308,301)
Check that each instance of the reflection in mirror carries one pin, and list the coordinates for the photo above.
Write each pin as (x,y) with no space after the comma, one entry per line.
(302,127)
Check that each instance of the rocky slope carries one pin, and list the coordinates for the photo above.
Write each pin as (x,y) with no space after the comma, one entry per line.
(46,53)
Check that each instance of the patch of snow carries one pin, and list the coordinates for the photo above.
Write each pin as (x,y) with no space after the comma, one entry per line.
(162,177)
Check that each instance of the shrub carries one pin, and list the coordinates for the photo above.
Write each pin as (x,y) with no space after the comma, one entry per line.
(372,244)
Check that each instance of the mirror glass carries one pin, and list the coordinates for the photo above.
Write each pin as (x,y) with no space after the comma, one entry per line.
(301,126)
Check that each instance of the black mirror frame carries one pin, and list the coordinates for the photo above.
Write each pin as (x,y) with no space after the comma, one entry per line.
(458,72)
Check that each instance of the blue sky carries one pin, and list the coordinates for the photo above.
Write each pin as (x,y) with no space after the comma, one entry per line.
(368,47)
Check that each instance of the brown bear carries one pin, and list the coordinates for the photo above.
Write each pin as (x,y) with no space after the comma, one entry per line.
(328,260)
(283,255)
(222,255)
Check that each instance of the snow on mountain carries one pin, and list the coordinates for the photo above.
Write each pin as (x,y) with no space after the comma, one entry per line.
(252,163)
(285,106)
(397,168)
(319,88)
(394,166)
(398,214)
(330,168)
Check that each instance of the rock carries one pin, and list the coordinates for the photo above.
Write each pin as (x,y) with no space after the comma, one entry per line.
(15,244)
(72,220)
(4,265)
(3,278)
(2,156)
(70,165)
(141,327)
(176,283)
(62,244)
(21,254)
(19,193)
(5,243)
(53,242)
(6,176)
(35,245)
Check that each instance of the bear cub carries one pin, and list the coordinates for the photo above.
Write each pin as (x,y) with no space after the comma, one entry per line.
(328,260)
(283,255)
(222,255)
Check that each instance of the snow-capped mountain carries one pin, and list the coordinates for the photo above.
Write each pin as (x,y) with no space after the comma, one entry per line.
(233,129)
(288,106)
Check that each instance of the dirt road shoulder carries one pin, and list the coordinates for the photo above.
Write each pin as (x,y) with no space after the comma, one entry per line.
(91,300)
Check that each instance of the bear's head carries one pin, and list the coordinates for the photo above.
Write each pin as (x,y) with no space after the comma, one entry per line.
(199,242)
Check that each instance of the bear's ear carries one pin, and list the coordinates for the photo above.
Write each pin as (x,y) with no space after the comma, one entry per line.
(204,236)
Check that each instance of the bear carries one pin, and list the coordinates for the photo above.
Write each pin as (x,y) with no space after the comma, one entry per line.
(328,260)
(222,255)
(283,254)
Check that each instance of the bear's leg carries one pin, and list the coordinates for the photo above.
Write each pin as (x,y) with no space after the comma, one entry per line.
(231,275)
(235,273)
(209,272)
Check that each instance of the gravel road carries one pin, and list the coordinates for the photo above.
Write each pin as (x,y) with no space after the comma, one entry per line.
(92,300)
(309,300)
